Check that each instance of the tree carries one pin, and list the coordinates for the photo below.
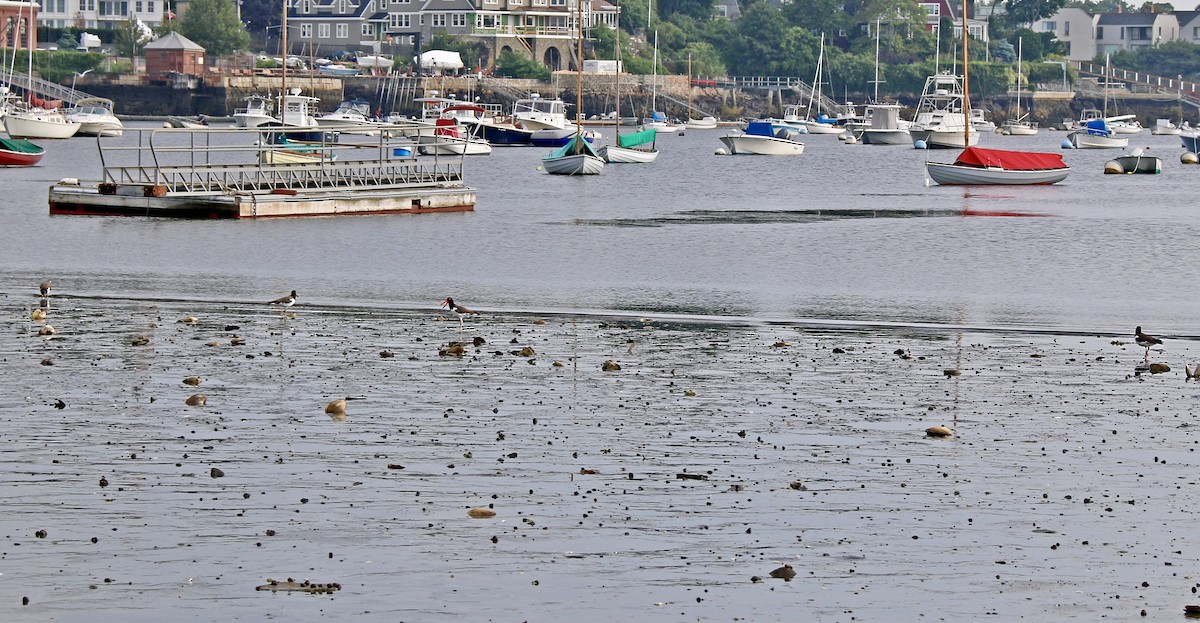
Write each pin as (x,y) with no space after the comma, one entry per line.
(130,38)
(513,65)
(261,14)
(1156,7)
(214,25)
(1025,12)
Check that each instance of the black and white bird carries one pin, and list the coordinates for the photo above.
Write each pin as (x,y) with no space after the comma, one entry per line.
(458,310)
(1145,340)
(44,288)
(285,301)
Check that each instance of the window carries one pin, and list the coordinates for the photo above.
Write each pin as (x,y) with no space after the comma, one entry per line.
(1099,32)
(368,30)
(1066,29)
(722,10)
(558,2)
(137,6)
(1050,26)
(1196,32)
(458,19)
(398,21)
(150,6)
(306,7)
(438,20)
(341,7)
(539,2)
(343,31)
(306,31)
(323,31)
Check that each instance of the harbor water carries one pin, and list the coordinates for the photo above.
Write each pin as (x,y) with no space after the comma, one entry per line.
(786,329)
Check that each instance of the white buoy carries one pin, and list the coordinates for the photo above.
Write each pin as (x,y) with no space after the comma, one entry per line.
(850,140)
(720,152)
(1067,144)
(1189,157)
(844,135)
(1112,167)
(919,144)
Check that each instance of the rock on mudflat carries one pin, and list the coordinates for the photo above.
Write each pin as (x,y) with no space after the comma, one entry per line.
(785,573)
(192,380)
(481,513)
(336,407)
(1159,368)
(196,400)
(938,431)
(301,587)
(610,366)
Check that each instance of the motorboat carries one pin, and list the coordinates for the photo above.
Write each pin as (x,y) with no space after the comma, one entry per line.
(16,152)
(39,123)
(1097,135)
(1136,161)
(885,127)
(337,70)
(451,139)
(95,117)
(297,110)
(659,122)
(976,165)
(980,122)
(536,113)
(198,122)
(256,112)
(1165,127)
(1125,124)
(381,62)
(940,121)
(703,123)
(351,116)
(760,138)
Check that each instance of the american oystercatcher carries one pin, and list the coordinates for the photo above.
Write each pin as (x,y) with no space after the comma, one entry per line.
(44,288)
(285,301)
(459,310)
(1145,340)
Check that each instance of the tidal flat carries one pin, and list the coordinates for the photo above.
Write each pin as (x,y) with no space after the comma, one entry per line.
(719,451)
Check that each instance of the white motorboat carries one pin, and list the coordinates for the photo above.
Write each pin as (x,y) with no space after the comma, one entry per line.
(95,117)
(39,123)
(704,123)
(351,116)
(1125,124)
(1165,127)
(536,113)
(940,121)
(381,62)
(760,138)
(256,112)
(297,110)
(885,126)
(450,138)
(980,122)
(1097,135)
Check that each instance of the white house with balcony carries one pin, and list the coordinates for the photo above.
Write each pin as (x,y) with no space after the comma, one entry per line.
(1089,36)
(100,14)
(1074,27)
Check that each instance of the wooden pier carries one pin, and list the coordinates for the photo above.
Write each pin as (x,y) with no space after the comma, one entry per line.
(230,173)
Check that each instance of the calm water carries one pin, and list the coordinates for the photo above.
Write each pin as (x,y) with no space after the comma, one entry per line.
(844,232)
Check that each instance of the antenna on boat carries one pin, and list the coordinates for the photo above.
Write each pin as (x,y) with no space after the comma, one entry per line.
(579,74)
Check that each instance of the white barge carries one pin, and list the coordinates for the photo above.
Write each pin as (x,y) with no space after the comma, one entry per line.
(233,173)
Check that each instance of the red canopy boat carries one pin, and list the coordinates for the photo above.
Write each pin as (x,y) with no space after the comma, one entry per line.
(998,166)
(16,152)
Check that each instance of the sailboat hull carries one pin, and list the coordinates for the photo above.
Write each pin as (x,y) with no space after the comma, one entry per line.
(953,174)
(1083,140)
(576,164)
(624,155)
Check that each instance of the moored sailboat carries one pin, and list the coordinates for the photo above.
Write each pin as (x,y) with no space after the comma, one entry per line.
(994,166)
(577,157)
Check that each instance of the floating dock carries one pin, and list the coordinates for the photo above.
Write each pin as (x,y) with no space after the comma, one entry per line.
(236,173)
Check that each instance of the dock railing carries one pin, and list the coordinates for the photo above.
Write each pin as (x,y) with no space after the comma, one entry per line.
(240,160)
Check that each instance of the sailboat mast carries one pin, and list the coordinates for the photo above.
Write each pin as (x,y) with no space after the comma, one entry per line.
(579,69)
(816,80)
(876,60)
(283,75)
(966,82)
(617,121)
(1020,42)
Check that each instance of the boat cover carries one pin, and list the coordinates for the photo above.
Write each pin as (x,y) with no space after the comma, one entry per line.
(574,147)
(633,139)
(1098,127)
(1010,160)
(19,145)
(760,128)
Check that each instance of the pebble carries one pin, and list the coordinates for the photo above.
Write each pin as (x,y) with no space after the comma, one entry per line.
(785,573)
(196,400)
(481,513)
